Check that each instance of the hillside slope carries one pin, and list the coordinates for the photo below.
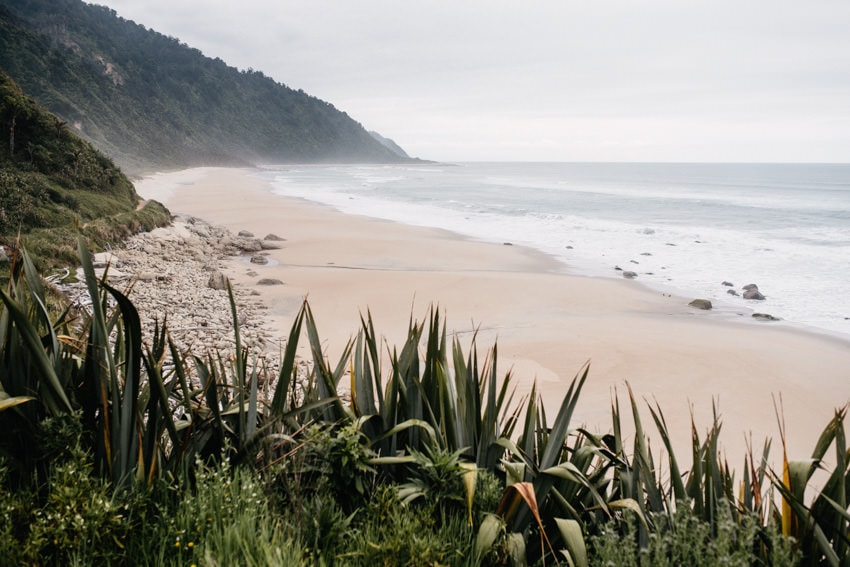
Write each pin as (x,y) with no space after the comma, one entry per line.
(54,185)
(390,144)
(149,101)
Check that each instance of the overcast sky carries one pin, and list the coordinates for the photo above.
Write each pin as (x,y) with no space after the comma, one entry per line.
(551,80)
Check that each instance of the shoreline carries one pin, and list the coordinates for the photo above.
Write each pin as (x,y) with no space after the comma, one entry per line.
(710,258)
(547,321)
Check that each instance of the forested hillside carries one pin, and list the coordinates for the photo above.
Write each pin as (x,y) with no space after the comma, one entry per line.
(54,185)
(149,101)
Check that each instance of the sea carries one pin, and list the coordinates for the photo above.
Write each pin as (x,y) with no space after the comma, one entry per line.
(684,229)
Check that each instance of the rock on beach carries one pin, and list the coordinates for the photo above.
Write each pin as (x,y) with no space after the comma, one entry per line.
(765,317)
(703,304)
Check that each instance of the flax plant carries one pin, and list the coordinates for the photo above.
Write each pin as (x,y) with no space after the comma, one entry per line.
(820,524)
(36,368)
(441,397)
(32,356)
(558,480)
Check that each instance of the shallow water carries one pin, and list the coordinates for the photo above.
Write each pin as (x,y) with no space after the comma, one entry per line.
(683,228)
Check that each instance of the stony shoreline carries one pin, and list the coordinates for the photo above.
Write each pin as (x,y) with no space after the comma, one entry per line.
(176,273)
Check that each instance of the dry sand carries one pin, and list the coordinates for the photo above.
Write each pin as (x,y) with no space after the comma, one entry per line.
(548,323)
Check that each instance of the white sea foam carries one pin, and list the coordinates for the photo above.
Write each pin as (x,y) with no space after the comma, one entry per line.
(682,228)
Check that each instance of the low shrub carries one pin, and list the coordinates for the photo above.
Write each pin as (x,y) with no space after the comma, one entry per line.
(72,517)
(689,540)
(391,533)
(224,518)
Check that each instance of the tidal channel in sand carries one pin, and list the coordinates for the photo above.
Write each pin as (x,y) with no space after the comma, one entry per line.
(547,322)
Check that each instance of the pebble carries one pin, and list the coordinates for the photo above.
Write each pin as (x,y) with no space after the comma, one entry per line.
(168,274)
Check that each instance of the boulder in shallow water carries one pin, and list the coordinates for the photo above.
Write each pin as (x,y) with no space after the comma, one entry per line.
(259,260)
(765,317)
(703,304)
(753,293)
(274,237)
(246,233)
(629,275)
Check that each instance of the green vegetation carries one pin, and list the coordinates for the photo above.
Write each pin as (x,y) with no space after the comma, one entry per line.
(54,185)
(119,448)
(151,102)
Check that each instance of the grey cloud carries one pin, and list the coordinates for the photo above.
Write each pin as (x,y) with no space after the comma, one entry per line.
(555,79)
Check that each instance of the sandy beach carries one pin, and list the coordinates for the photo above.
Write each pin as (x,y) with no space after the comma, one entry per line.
(547,322)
